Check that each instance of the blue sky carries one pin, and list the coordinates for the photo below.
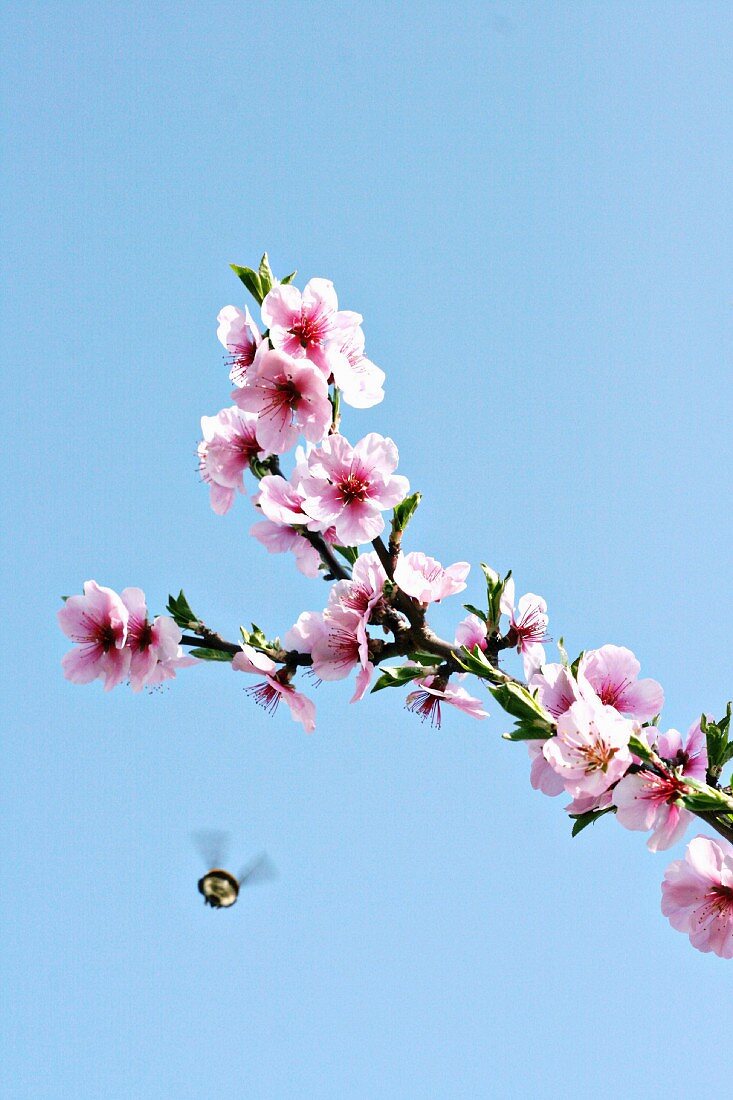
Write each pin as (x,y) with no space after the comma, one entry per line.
(530,204)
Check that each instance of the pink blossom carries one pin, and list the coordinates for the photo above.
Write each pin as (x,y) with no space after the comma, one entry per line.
(336,644)
(426,580)
(240,336)
(691,755)
(647,801)
(149,643)
(166,670)
(433,691)
(289,396)
(229,443)
(612,672)
(349,487)
(697,895)
(591,749)
(272,691)
(278,539)
(590,803)
(363,591)
(282,501)
(97,623)
(471,632)
(542,776)
(527,626)
(309,325)
(361,382)
(556,688)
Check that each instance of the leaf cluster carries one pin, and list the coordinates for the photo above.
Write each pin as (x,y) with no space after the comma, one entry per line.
(259,283)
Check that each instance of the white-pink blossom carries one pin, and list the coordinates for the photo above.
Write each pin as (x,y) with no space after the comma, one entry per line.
(612,671)
(697,895)
(646,801)
(309,325)
(690,754)
(335,642)
(542,776)
(277,538)
(272,691)
(471,632)
(426,580)
(150,643)
(432,691)
(361,382)
(97,623)
(240,336)
(556,688)
(229,443)
(289,397)
(527,626)
(349,487)
(591,749)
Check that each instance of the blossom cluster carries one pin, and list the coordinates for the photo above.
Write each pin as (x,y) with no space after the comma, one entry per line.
(591,726)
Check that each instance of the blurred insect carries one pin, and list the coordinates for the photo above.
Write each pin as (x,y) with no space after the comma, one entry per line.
(220,888)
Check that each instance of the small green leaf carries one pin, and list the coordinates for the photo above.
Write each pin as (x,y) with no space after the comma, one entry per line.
(267,279)
(350,553)
(404,512)
(180,609)
(204,654)
(640,749)
(64,598)
(520,703)
(288,278)
(475,611)
(495,586)
(527,731)
(397,676)
(582,821)
(563,653)
(251,280)
(428,660)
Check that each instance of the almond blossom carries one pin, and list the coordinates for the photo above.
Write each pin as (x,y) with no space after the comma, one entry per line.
(542,775)
(426,580)
(240,336)
(97,623)
(471,632)
(432,692)
(612,671)
(278,538)
(591,749)
(151,644)
(272,691)
(349,487)
(229,443)
(556,688)
(690,755)
(527,626)
(290,397)
(697,895)
(361,382)
(336,644)
(309,325)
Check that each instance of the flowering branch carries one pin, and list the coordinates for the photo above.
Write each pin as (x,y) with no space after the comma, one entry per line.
(591,726)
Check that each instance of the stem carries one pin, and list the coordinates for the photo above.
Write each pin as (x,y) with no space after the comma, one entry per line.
(338,571)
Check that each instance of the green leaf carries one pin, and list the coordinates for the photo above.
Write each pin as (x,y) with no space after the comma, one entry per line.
(576,663)
(639,749)
(428,660)
(267,279)
(204,654)
(397,676)
(475,611)
(582,821)
(495,586)
(180,609)
(520,703)
(350,553)
(473,660)
(563,653)
(288,278)
(720,749)
(251,280)
(527,731)
(706,799)
(64,598)
(404,512)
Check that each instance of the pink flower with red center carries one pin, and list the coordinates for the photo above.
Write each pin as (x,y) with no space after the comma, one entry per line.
(426,580)
(432,692)
(229,443)
(361,382)
(289,396)
(690,755)
(149,643)
(97,623)
(471,632)
(556,688)
(647,801)
(591,749)
(282,501)
(527,626)
(309,325)
(612,671)
(272,691)
(349,487)
(240,336)
(697,895)
(335,643)
(363,591)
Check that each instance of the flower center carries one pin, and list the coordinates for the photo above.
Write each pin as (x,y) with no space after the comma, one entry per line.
(353,489)
(265,695)
(310,329)
(426,705)
(239,360)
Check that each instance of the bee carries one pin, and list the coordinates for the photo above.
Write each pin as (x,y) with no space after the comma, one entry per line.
(220,888)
